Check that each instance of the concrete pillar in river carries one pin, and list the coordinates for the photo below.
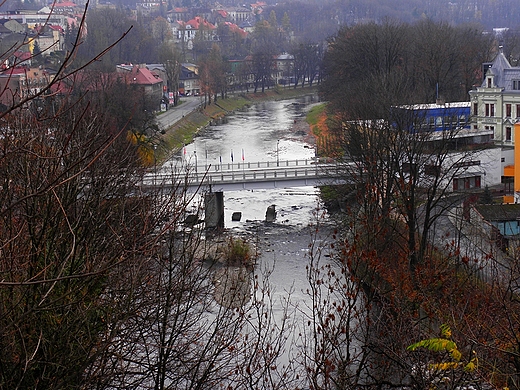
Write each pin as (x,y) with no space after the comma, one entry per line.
(270,214)
(214,210)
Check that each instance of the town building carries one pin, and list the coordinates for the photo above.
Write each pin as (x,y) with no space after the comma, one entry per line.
(189,83)
(495,104)
(478,162)
(149,82)
(495,111)
(31,20)
(186,31)
(22,82)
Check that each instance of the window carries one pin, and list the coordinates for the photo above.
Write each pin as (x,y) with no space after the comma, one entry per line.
(469,163)
(432,170)
(516,85)
(475,108)
(518,110)
(508,110)
(407,167)
(508,133)
(489,82)
(492,129)
(490,109)
(466,183)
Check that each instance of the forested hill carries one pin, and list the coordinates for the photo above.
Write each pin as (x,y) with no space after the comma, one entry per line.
(331,13)
(488,13)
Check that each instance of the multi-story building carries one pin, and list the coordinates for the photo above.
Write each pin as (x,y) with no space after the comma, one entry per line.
(477,161)
(495,109)
(189,83)
(45,17)
(186,31)
(495,104)
(142,78)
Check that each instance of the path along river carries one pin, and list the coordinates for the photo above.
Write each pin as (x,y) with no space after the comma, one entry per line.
(266,132)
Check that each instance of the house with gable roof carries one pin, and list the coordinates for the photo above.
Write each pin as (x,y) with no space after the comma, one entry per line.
(22,82)
(495,113)
(178,13)
(495,104)
(189,83)
(50,38)
(148,81)
(186,31)
(232,14)
(12,81)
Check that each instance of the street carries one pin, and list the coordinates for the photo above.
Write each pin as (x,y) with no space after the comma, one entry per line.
(175,114)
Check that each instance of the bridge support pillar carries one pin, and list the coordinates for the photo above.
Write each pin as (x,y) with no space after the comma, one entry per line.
(214,210)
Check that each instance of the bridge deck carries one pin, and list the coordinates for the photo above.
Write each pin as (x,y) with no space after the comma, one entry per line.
(255,175)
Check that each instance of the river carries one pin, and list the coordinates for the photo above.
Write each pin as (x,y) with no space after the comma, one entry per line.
(268,131)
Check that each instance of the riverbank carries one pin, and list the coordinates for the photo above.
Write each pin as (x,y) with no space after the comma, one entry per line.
(182,132)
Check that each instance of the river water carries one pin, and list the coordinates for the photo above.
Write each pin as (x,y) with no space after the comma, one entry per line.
(268,131)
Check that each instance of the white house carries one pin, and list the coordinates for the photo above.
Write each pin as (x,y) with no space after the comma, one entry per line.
(495,104)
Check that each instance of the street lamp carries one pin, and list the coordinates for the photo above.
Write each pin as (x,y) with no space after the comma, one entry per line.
(195,154)
(277,153)
(154,164)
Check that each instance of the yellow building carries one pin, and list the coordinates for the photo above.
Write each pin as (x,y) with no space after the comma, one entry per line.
(513,175)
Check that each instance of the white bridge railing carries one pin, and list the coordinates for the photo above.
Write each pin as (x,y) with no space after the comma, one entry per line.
(248,172)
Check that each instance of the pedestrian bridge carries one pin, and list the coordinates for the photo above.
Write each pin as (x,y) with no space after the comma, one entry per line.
(249,175)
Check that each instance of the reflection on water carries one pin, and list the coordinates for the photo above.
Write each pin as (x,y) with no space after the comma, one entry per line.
(266,132)
(254,135)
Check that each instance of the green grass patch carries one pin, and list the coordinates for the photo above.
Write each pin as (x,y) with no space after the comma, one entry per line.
(313,117)
(314,113)
(184,131)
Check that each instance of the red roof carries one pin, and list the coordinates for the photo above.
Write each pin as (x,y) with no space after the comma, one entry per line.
(65,4)
(258,4)
(196,22)
(56,28)
(22,55)
(16,71)
(95,82)
(235,29)
(143,76)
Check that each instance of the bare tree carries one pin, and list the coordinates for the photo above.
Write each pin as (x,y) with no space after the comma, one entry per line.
(263,52)
(171,59)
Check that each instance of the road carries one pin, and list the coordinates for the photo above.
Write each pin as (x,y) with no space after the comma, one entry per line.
(175,114)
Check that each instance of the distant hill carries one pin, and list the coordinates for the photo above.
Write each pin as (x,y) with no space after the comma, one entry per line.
(315,20)
(307,14)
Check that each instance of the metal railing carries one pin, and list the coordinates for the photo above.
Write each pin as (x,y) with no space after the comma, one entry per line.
(245,172)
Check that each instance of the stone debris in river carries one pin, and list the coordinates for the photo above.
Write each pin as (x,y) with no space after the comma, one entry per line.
(270,214)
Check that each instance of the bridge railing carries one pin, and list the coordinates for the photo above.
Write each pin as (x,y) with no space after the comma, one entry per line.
(250,172)
(242,165)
